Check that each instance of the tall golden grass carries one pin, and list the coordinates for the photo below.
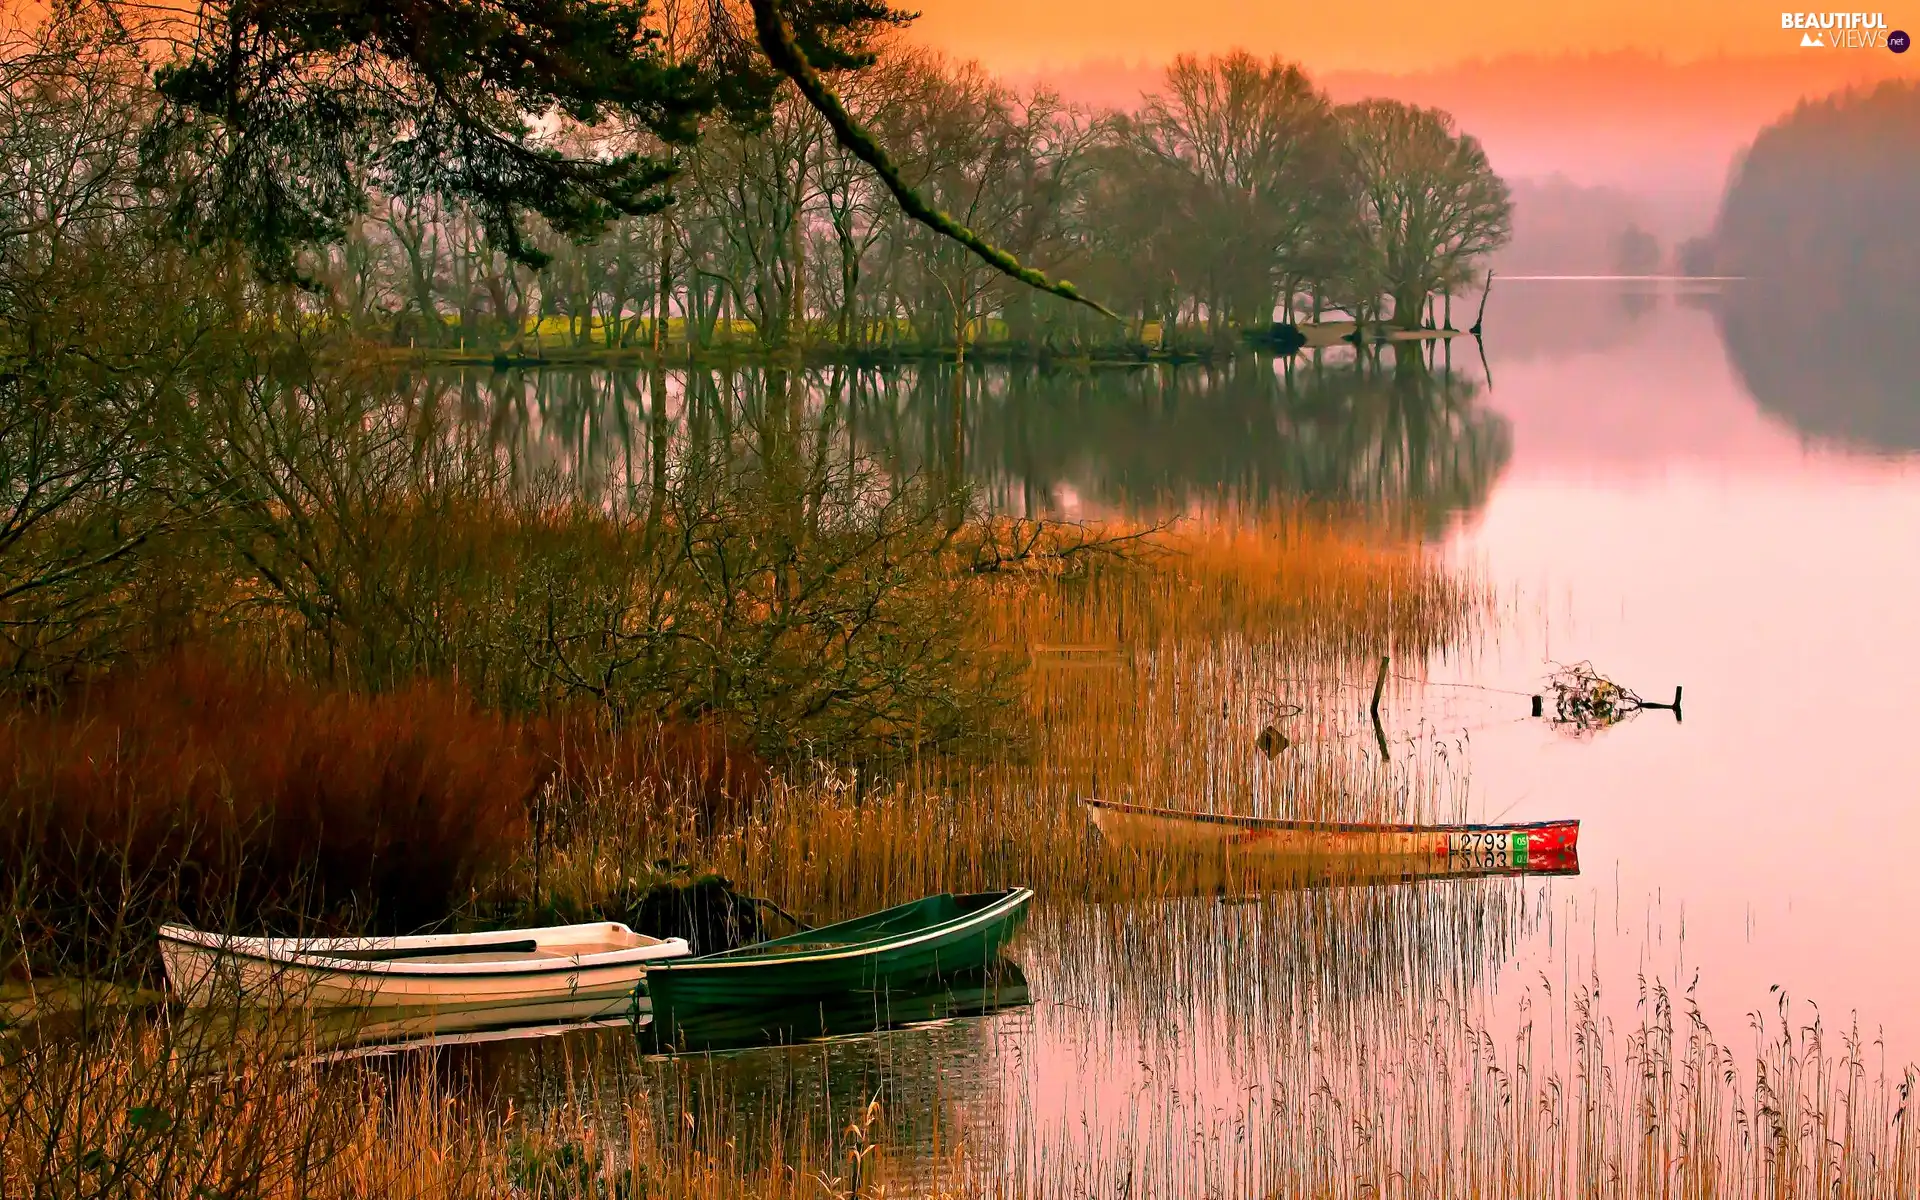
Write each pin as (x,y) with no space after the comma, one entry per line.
(1148,677)
(1404,1098)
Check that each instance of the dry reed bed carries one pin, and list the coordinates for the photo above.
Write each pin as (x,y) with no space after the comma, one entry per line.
(1147,679)
(1396,1098)
(140,1109)
(1404,1098)
(154,1111)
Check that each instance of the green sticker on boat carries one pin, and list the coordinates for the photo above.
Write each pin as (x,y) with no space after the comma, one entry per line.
(1519,849)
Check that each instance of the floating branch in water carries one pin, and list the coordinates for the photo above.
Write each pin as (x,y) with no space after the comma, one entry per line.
(1584,700)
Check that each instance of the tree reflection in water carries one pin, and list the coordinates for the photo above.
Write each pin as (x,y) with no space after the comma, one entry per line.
(1396,430)
(1838,367)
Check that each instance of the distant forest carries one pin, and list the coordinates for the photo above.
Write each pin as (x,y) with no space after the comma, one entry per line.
(1820,219)
(1237,195)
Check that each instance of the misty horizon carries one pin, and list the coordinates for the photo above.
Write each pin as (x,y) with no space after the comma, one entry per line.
(1660,133)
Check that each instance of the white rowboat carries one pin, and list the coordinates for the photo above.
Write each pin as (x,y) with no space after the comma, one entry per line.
(594,968)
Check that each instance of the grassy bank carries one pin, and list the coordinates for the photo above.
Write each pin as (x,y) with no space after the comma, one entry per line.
(745,348)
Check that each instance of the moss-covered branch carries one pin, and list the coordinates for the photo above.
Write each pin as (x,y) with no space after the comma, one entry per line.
(777,41)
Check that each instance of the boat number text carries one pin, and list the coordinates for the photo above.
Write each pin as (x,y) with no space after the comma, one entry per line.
(1496,849)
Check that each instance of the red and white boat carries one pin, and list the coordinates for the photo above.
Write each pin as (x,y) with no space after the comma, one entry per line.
(1404,850)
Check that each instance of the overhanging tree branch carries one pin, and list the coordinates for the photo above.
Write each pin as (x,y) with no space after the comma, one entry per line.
(777,42)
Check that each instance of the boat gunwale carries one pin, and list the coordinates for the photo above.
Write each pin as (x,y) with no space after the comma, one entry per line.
(312,962)
(1014,899)
(1290,825)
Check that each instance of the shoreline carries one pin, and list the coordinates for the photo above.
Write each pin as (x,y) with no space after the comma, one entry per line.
(1322,336)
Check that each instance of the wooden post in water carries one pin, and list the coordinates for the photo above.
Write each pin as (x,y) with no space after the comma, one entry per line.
(1481,315)
(1674,707)
(1379,685)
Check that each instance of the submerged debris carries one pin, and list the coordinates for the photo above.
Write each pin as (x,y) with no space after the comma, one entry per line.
(1271,741)
(1584,700)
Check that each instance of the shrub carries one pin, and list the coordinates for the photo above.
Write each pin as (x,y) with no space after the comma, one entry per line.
(237,799)
(693,767)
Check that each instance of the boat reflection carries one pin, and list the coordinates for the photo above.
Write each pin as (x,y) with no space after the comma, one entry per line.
(338,1035)
(1164,875)
(325,1035)
(974,992)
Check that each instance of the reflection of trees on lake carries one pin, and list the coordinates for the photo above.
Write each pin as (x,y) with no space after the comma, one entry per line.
(1401,436)
(1843,373)
(1819,219)
(603,426)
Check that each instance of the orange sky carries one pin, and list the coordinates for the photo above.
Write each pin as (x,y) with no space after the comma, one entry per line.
(1394,35)
(1654,96)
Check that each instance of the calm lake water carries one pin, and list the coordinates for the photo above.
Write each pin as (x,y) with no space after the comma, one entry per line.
(1679,514)
(1645,495)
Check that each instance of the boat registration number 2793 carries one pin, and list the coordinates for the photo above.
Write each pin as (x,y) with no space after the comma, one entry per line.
(1495,848)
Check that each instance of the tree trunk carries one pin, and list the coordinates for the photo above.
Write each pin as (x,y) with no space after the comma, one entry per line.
(849,289)
(1406,306)
(663,295)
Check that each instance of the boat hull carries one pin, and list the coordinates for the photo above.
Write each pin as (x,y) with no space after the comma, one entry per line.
(691,992)
(1336,849)
(566,967)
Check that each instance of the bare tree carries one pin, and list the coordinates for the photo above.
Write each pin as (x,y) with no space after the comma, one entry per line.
(1429,202)
(1248,153)
(966,158)
(754,186)
(105,326)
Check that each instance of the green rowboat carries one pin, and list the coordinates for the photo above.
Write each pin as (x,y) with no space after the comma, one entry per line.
(896,950)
